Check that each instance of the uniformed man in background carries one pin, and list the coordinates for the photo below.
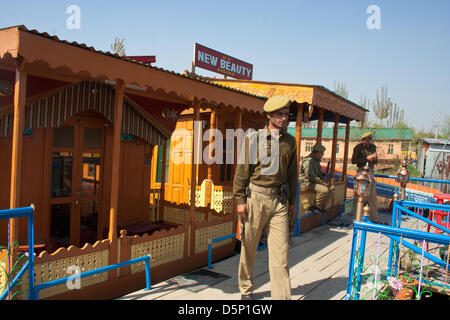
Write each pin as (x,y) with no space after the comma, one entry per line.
(366,153)
(312,179)
(267,200)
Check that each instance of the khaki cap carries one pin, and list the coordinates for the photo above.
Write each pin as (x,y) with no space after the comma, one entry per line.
(276,103)
(366,135)
(318,148)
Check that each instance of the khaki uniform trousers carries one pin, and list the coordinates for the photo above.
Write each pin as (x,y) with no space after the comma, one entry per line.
(266,210)
(322,194)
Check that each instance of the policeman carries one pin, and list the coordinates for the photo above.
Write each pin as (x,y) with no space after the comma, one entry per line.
(265,194)
(363,153)
(312,179)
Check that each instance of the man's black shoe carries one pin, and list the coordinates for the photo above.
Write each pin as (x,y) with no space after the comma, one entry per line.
(313,209)
(247,297)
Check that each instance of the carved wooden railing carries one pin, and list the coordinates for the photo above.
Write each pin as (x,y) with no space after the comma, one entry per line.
(66,261)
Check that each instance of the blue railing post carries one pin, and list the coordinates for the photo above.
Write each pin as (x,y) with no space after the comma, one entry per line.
(398,215)
(31,253)
(211,241)
(391,241)
(209,254)
(29,265)
(362,251)
(147,273)
(351,266)
(297,220)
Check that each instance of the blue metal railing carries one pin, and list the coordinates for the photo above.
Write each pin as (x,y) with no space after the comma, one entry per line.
(297,228)
(398,208)
(211,241)
(298,218)
(29,265)
(392,232)
(145,259)
(388,190)
(33,290)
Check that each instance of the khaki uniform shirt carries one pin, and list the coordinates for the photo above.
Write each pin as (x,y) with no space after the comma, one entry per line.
(247,172)
(310,172)
(360,154)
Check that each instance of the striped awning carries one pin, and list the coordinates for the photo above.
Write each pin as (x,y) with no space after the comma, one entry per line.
(51,111)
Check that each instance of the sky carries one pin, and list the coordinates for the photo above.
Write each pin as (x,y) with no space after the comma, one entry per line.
(306,42)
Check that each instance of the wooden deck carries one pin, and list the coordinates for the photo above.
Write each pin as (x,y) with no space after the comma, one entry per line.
(318,260)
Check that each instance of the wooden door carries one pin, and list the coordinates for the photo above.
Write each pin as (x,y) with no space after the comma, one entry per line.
(76,182)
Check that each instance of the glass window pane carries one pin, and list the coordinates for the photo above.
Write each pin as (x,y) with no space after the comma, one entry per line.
(60,224)
(159,159)
(63,137)
(91,173)
(92,138)
(88,223)
(61,184)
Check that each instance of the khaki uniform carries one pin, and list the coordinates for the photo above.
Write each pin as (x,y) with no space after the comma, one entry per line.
(359,157)
(311,179)
(266,208)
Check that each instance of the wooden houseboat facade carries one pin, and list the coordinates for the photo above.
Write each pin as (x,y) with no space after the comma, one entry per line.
(77,139)
(88,140)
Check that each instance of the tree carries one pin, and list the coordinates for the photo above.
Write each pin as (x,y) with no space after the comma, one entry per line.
(341,89)
(364,102)
(395,119)
(445,128)
(117,47)
(382,105)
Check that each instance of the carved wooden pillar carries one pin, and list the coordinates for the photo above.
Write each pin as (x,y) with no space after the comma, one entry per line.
(236,146)
(195,152)
(163,180)
(333,148)
(20,92)
(346,147)
(115,174)
(212,127)
(320,125)
(211,153)
(298,132)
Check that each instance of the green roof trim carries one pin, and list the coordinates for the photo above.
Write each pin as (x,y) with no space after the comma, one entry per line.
(355,133)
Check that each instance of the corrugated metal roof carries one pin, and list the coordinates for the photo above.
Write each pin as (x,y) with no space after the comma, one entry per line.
(355,133)
(436,141)
(108,53)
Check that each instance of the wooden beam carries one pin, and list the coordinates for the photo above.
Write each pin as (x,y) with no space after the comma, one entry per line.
(236,150)
(212,127)
(298,132)
(333,148)
(115,177)
(20,89)
(195,151)
(163,180)
(320,125)
(346,147)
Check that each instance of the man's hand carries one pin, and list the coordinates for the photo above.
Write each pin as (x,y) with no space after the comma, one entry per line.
(372,157)
(242,211)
